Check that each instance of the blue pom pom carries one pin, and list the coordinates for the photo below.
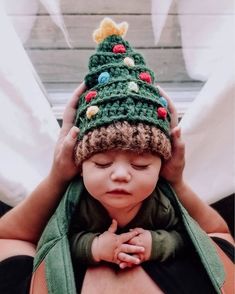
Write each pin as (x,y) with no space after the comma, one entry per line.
(103,77)
(163,101)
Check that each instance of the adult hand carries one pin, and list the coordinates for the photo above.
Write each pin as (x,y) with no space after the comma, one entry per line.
(171,107)
(63,167)
(172,169)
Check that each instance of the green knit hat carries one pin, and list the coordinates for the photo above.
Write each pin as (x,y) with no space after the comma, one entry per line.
(121,108)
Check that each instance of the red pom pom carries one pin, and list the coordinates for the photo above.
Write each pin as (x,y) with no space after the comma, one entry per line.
(145,76)
(162,113)
(119,48)
(89,96)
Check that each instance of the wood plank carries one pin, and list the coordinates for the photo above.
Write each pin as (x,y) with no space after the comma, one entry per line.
(180,92)
(45,34)
(107,7)
(104,6)
(71,65)
(143,7)
(124,7)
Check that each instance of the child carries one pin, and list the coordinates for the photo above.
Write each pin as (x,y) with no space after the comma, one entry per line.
(124,136)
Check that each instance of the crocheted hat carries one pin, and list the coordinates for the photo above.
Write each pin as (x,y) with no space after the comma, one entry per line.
(121,108)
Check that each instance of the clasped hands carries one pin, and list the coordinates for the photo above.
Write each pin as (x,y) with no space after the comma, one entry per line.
(126,250)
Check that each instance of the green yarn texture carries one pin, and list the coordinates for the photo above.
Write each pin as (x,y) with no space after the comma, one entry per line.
(123,96)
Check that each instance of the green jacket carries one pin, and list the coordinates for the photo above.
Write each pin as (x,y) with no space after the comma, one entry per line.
(156,215)
(53,248)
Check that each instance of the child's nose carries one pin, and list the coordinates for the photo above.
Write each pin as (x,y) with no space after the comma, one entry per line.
(120,173)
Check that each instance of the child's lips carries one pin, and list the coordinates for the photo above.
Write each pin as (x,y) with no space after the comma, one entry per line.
(119,191)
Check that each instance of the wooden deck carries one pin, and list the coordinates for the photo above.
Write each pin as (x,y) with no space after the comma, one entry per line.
(61,68)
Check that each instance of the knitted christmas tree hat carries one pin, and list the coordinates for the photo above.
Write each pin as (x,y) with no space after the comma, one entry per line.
(121,108)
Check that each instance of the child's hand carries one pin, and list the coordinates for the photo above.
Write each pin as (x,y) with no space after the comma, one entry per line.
(63,168)
(143,239)
(109,246)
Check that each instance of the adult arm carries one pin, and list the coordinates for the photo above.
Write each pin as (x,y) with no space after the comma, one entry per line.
(27,220)
(172,170)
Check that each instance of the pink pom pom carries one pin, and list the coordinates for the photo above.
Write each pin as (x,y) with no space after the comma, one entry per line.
(162,113)
(89,96)
(119,48)
(145,76)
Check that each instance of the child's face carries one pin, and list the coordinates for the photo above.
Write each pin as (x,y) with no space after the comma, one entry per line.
(121,179)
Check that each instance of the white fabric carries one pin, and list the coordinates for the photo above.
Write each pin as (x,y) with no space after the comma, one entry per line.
(159,13)
(28,129)
(206,29)
(23,14)
(208,128)
(207,33)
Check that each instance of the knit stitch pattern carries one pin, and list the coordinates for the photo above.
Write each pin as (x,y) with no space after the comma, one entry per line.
(120,88)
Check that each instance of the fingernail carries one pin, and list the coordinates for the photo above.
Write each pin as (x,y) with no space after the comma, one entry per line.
(74,132)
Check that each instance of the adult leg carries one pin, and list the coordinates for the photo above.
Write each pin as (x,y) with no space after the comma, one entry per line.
(16,265)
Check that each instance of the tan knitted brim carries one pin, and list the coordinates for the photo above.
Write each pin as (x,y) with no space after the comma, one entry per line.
(121,135)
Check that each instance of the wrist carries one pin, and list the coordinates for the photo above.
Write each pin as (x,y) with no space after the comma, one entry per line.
(57,177)
(95,249)
(178,185)
(56,183)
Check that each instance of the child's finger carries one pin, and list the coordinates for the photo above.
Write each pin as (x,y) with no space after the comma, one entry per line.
(125,237)
(113,227)
(128,248)
(138,230)
(123,257)
(123,265)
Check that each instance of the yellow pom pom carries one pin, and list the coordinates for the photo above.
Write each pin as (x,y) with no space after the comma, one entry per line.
(91,111)
(107,28)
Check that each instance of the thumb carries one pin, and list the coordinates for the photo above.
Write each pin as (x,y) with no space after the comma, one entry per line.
(70,140)
(113,227)
(178,143)
(73,133)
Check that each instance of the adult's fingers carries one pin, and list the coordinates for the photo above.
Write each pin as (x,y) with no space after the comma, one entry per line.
(70,109)
(69,142)
(178,144)
(76,94)
(171,107)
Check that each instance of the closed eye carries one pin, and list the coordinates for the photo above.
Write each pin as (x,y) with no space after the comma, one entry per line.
(140,167)
(102,165)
